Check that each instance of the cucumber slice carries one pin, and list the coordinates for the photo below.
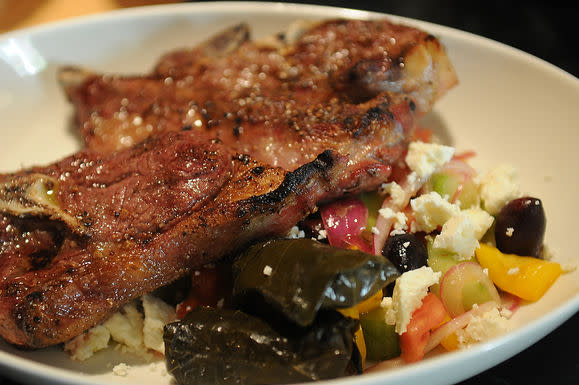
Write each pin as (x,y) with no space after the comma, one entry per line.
(440,260)
(373,201)
(381,339)
(475,292)
(456,188)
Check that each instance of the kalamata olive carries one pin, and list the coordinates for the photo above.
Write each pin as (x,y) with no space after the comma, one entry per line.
(406,251)
(313,227)
(520,227)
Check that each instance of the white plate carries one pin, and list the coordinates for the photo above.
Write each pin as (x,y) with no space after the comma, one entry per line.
(509,107)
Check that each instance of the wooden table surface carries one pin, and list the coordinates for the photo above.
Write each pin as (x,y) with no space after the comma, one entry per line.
(15,14)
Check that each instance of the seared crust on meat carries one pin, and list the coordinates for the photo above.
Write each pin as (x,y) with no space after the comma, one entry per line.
(297,89)
(84,278)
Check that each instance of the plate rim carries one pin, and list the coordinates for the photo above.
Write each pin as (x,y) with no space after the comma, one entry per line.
(525,333)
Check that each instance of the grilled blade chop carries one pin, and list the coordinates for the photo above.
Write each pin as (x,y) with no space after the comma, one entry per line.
(250,96)
(179,171)
(111,228)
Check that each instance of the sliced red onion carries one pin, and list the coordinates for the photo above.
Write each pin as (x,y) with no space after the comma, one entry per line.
(344,221)
(457,323)
(510,301)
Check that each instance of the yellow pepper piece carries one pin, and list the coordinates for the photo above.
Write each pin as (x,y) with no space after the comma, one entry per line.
(353,312)
(361,343)
(371,303)
(450,342)
(525,277)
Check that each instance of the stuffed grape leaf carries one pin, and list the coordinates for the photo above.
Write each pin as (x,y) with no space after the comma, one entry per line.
(222,346)
(297,277)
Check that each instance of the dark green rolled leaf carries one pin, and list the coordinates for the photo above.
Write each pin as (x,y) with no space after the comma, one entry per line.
(297,277)
(218,346)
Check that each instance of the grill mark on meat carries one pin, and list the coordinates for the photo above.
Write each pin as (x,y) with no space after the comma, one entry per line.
(293,183)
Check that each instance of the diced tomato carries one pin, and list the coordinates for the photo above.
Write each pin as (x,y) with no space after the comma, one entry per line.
(422,134)
(428,316)
(209,285)
(186,306)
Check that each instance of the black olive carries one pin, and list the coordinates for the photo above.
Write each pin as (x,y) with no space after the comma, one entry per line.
(520,227)
(312,225)
(406,251)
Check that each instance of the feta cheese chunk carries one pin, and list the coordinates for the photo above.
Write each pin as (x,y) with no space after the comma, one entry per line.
(484,327)
(389,312)
(425,158)
(481,220)
(121,370)
(458,236)
(398,219)
(157,315)
(296,233)
(431,211)
(410,288)
(499,186)
(126,327)
(85,345)
(396,193)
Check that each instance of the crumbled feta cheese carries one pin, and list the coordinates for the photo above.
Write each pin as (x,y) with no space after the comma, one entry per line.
(126,327)
(389,314)
(397,232)
(509,232)
(430,211)
(568,266)
(322,234)
(410,288)
(499,186)
(85,345)
(413,181)
(484,327)
(121,369)
(267,270)
(504,312)
(457,236)
(426,158)
(481,220)
(295,233)
(398,218)
(396,192)
(133,330)
(159,367)
(157,315)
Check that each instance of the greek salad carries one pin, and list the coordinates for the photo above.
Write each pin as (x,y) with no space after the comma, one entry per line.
(440,256)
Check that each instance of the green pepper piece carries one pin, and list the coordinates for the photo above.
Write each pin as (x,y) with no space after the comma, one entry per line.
(297,277)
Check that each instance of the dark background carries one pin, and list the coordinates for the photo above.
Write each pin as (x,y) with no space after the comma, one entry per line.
(548,30)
